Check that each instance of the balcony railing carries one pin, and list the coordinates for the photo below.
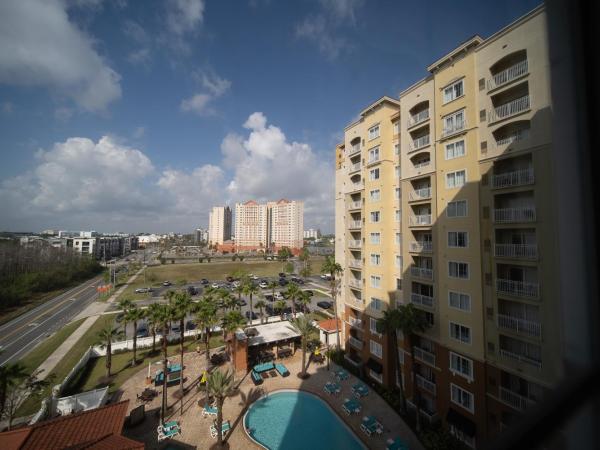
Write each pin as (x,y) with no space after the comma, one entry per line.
(424,383)
(518,288)
(421,164)
(420,220)
(518,325)
(517,251)
(356,343)
(515,215)
(515,136)
(415,119)
(355,205)
(521,358)
(515,400)
(355,224)
(353,283)
(357,186)
(510,109)
(374,160)
(355,263)
(354,167)
(354,362)
(421,272)
(507,75)
(519,177)
(354,243)
(420,194)
(421,246)
(424,356)
(354,149)
(457,126)
(419,143)
(423,300)
(355,323)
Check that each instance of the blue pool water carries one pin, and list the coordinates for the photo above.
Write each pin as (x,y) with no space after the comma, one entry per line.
(296,420)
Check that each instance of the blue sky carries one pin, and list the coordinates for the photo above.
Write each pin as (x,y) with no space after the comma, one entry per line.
(140,115)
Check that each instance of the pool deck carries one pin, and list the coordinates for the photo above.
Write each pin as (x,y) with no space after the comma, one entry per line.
(195,427)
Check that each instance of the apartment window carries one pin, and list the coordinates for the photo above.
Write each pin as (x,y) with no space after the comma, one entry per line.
(460,333)
(462,366)
(396,127)
(374,174)
(453,91)
(459,300)
(455,179)
(376,348)
(376,304)
(375,216)
(462,398)
(459,434)
(454,122)
(373,326)
(396,149)
(375,195)
(398,192)
(397,171)
(397,238)
(374,132)
(376,238)
(375,259)
(399,261)
(457,239)
(457,208)
(398,213)
(376,376)
(455,149)
(374,155)
(458,269)
(375,281)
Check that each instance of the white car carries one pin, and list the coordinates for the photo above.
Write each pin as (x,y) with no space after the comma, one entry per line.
(236,283)
(253,277)
(215,285)
(278,296)
(263,285)
(326,276)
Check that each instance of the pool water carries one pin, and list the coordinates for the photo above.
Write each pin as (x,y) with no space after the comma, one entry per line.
(295,420)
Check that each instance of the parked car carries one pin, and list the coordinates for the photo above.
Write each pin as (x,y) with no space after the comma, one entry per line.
(142,332)
(190,325)
(324,304)
(279,296)
(175,328)
(204,281)
(242,302)
(192,290)
(263,284)
(326,276)
(281,274)
(309,292)
(283,282)
(253,277)
(166,283)
(254,315)
(297,280)
(141,290)
(229,279)
(215,285)
(236,283)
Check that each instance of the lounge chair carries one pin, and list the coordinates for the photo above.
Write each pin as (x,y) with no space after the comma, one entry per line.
(396,444)
(370,425)
(360,390)
(256,377)
(167,426)
(332,388)
(351,406)
(169,433)
(209,411)
(225,427)
(282,370)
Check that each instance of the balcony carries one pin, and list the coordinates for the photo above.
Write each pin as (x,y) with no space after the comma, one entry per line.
(420,194)
(355,361)
(514,400)
(420,220)
(421,164)
(354,243)
(356,284)
(354,150)
(355,263)
(425,384)
(355,224)
(424,356)
(355,323)
(355,205)
(418,118)
(356,186)
(421,272)
(526,327)
(354,167)
(515,215)
(518,288)
(516,136)
(507,75)
(510,109)
(422,300)
(356,343)
(520,358)
(419,143)
(516,251)
(420,246)
(521,177)
(456,127)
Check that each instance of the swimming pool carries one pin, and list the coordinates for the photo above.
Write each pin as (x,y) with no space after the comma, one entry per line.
(295,420)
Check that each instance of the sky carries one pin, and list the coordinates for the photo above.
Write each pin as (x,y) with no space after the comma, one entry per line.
(138,116)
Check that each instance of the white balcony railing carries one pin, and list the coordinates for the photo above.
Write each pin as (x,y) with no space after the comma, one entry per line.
(355,224)
(507,75)
(421,164)
(515,136)
(355,323)
(373,160)
(421,246)
(354,243)
(415,119)
(352,361)
(420,220)
(515,215)
(518,325)
(519,177)
(420,194)
(421,272)
(424,383)
(354,167)
(457,126)
(355,263)
(518,288)
(355,205)
(510,109)
(354,149)
(357,284)
(419,143)
(357,186)
(515,400)
(520,358)
(423,300)
(424,356)
(517,251)
(356,343)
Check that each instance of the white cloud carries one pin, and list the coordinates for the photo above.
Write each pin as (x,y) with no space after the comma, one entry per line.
(184,15)
(40,46)
(342,9)
(318,31)
(200,103)
(197,103)
(215,85)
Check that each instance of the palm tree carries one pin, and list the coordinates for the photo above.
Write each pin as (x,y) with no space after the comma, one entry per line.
(106,336)
(152,313)
(260,304)
(239,290)
(134,315)
(11,375)
(125,305)
(304,300)
(220,385)
(280,306)
(206,318)
(334,269)
(304,326)
(164,317)
(182,305)
(390,324)
(292,294)
(231,322)
(250,289)
(272,286)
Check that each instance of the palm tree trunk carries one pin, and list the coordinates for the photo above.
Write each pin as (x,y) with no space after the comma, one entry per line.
(108,359)
(417,395)
(206,342)
(181,324)
(293,307)
(399,372)
(165,361)
(134,343)
(303,371)
(251,310)
(153,340)
(335,313)
(219,420)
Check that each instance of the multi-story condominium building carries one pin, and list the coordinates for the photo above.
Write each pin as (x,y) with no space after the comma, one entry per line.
(312,234)
(251,226)
(286,224)
(473,177)
(219,225)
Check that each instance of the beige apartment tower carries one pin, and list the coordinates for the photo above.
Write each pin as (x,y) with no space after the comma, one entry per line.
(251,226)
(219,225)
(471,178)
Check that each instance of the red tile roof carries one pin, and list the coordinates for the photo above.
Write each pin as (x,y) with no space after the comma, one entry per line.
(329,325)
(96,429)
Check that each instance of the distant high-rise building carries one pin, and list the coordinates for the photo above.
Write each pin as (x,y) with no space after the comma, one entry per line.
(286,224)
(251,226)
(312,234)
(219,225)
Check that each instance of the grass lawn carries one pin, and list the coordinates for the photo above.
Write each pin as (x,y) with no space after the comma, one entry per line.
(32,404)
(93,375)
